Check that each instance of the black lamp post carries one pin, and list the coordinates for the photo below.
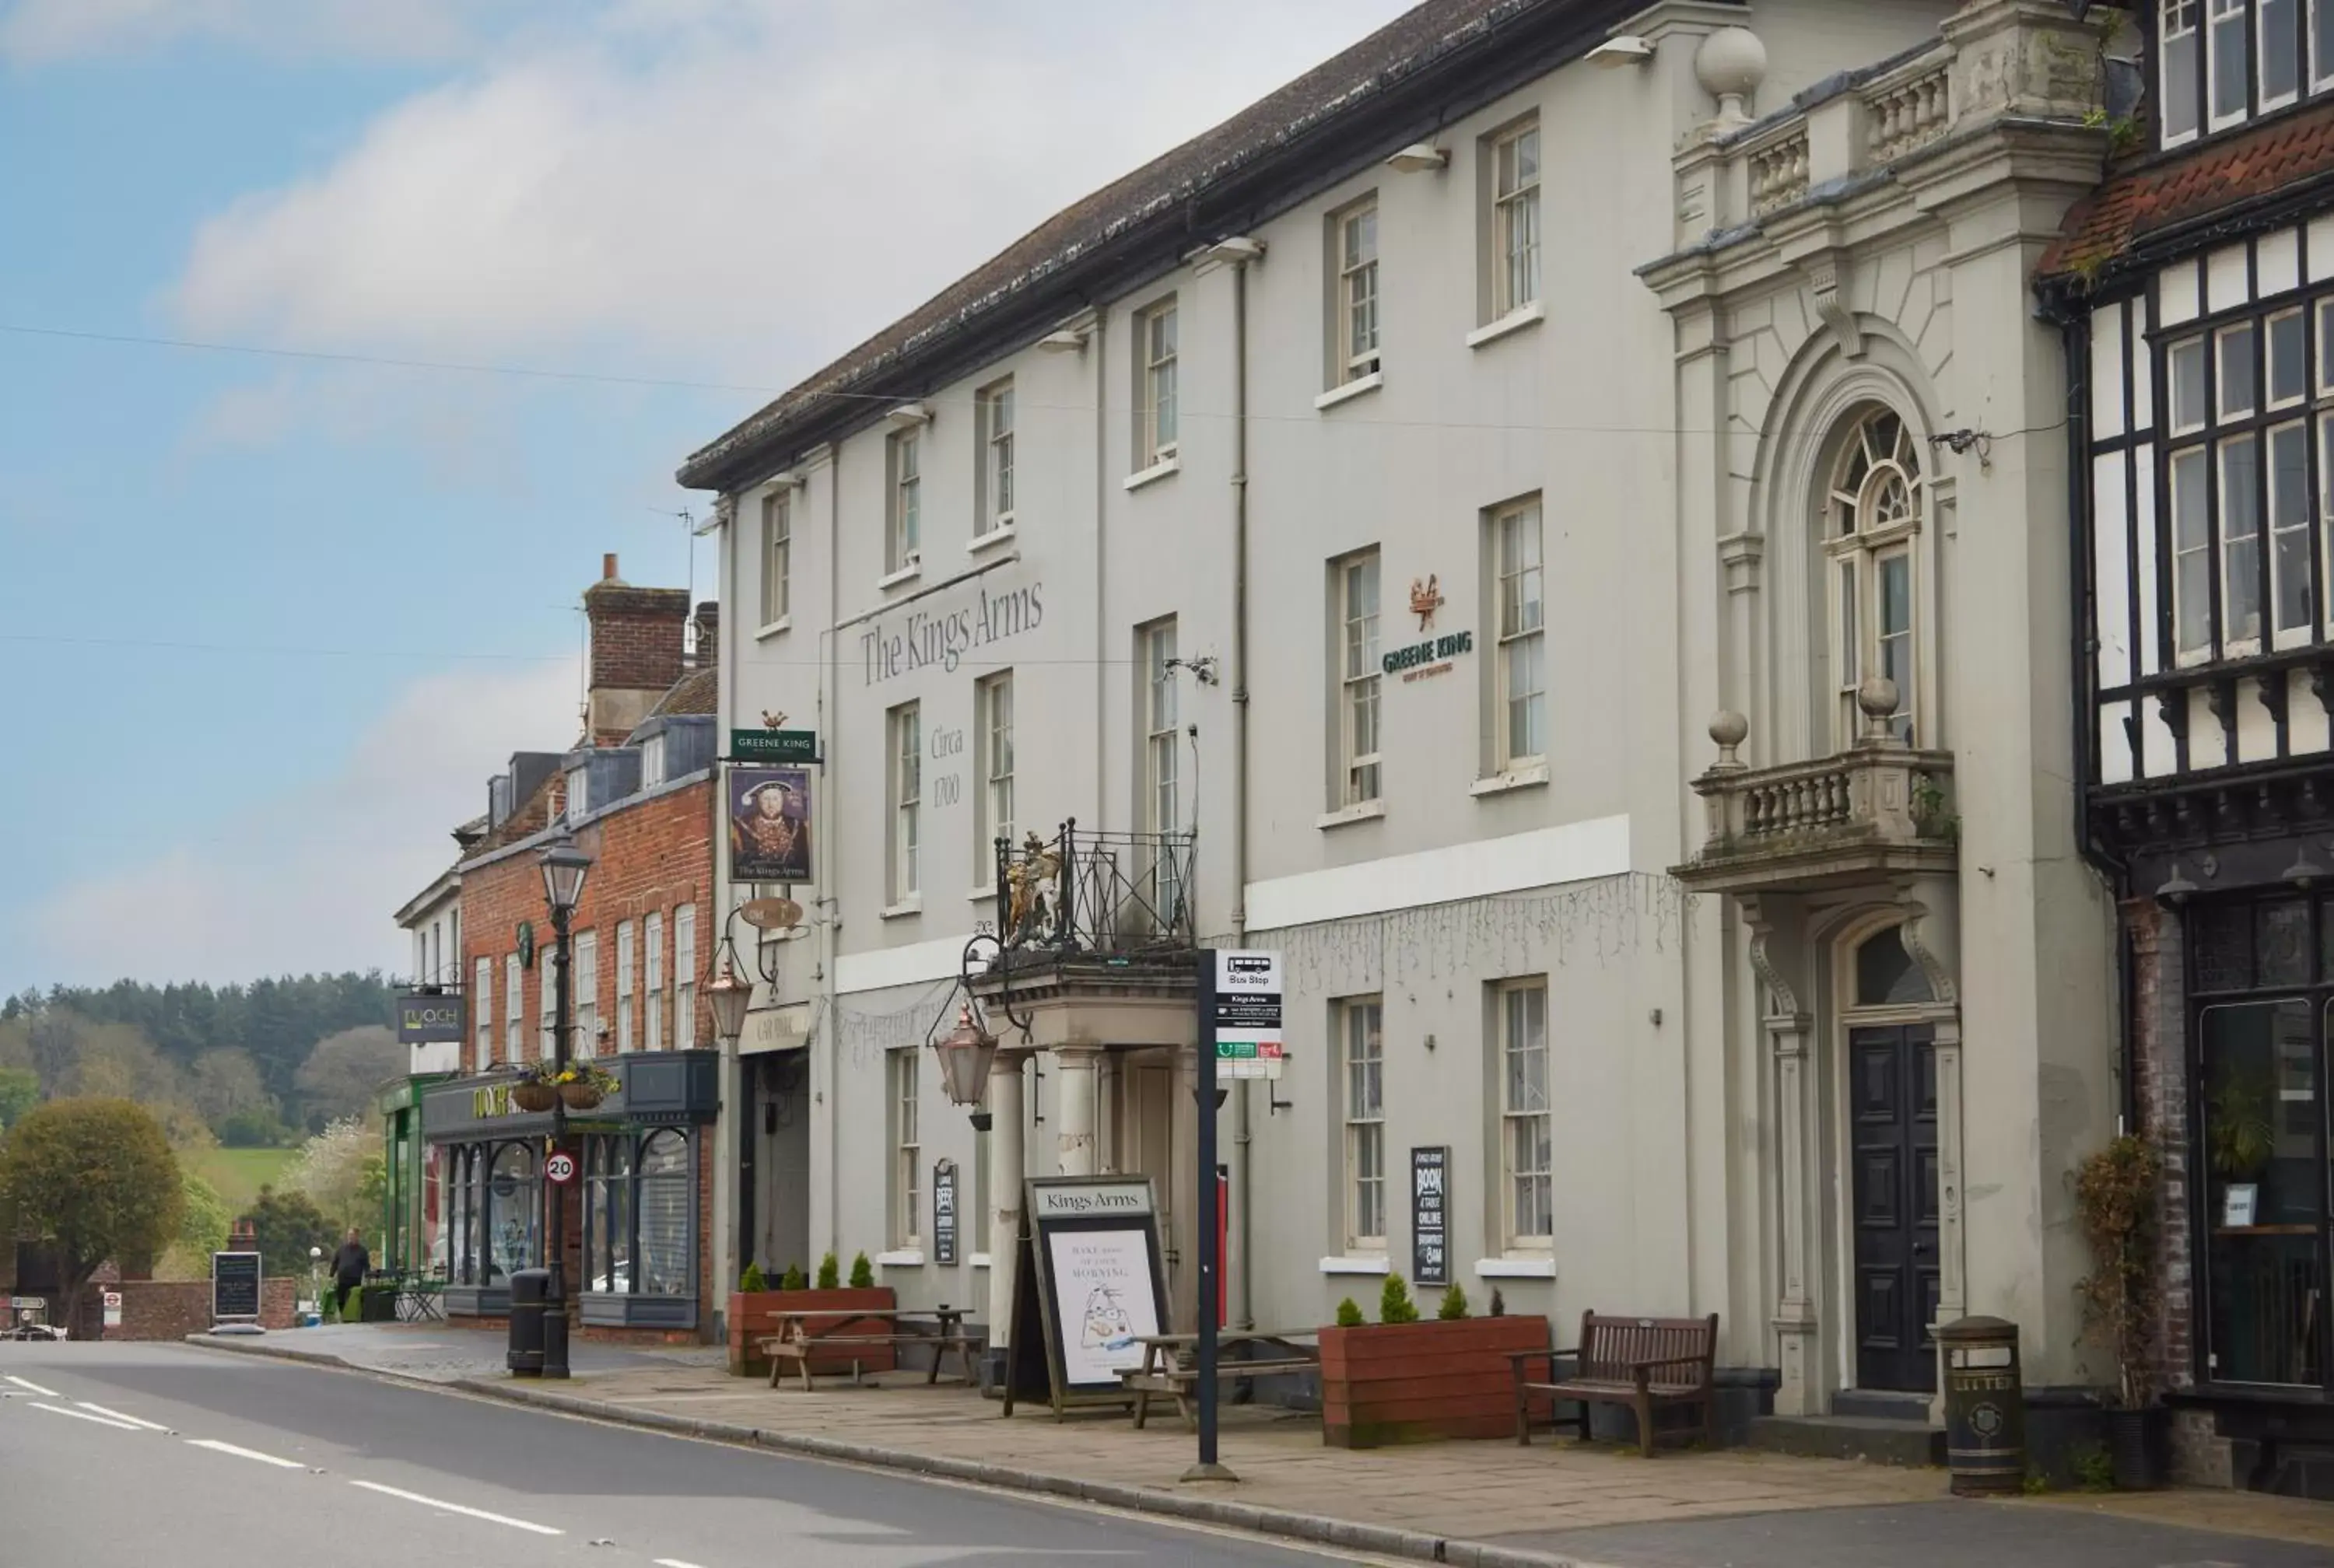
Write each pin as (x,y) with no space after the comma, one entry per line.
(563,869)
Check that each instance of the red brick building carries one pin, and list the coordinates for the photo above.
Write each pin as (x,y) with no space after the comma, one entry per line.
(636,795)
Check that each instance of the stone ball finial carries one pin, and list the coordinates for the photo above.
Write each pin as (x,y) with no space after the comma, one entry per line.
(1731,64)
(1876,697)
(1729,729)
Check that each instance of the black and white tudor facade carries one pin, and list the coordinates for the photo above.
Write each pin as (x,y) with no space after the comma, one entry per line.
(2197,294)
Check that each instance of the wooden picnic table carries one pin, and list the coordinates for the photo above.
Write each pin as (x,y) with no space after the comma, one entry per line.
(799,1341)
(1169,1367)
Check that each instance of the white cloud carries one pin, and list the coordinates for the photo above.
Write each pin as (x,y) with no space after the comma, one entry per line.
(309,881)
(729,189)
(43,30)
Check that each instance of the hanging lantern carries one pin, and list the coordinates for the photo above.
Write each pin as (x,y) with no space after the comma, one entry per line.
(967,1053)
(729,997)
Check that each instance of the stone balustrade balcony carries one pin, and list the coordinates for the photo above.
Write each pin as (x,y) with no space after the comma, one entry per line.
(1879,809)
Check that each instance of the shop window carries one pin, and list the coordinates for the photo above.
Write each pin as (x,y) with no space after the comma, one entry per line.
(514,1213)
(2264,1110)
(608,1215)
(667,1195)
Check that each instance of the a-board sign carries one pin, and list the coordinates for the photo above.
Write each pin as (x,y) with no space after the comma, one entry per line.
(1430,1214)
(1093,1280)
(235,1286)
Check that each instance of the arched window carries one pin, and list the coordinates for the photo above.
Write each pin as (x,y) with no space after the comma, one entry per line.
(514,1210)
(1885,974)
(1872,512)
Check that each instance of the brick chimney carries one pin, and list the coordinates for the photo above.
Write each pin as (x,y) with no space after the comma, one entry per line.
(709,634)
(636,651)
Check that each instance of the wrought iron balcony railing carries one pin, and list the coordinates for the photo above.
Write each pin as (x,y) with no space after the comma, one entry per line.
(1090,892)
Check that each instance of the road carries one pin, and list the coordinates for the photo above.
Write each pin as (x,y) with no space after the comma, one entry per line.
(127,1456)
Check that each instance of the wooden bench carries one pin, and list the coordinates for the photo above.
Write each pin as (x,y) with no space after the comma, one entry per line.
(799,1344)
(1169,1367)
(1644,1363)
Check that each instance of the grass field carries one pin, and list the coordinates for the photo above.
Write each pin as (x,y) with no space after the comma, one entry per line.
(238,1174)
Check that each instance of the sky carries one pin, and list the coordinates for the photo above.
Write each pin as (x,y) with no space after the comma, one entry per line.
(338,341)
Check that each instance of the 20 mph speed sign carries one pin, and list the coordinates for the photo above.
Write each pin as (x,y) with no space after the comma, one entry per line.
(559,1169)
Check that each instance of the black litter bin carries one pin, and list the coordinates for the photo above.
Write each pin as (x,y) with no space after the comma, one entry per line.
(530,1288)
(1985,1407)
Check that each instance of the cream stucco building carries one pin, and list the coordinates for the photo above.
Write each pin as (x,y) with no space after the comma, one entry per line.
(1353,521)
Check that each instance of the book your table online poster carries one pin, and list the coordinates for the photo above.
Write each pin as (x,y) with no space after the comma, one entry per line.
(1103,1297)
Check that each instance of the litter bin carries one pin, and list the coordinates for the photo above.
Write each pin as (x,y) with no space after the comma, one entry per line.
(1985,1407)
(529,1289)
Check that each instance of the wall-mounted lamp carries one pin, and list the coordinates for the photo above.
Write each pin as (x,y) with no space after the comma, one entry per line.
(909,415)
(789,479)
(1627,49)
(1067,341)
(1237,248)
(1419,158)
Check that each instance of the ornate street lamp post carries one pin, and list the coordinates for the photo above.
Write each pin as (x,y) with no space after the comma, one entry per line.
(563,869)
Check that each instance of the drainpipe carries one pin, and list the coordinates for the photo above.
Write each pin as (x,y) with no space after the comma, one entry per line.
(1243,1296)
(829,861)
(2074,323)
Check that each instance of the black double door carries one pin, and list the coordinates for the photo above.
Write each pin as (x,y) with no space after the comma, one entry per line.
(1893,1127)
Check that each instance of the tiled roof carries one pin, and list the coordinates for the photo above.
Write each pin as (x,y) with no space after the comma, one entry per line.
(2168,192)
(699,691)
(1345,85)
(534,814)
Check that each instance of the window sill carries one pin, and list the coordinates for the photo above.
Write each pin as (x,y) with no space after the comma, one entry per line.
(1003,533)
(1358,387)
(908,574)
(783,623)
(1520,778)
(1367,812)
(977,1259)
(903,908)
(1515,320)
(1154,473)
(1515,1268)
(981,895)
(1374,1263)
(905,1257)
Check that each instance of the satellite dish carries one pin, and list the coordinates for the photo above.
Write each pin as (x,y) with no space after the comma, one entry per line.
(771,914)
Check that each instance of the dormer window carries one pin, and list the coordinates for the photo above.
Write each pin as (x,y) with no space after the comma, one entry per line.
(653,762)
(578,796)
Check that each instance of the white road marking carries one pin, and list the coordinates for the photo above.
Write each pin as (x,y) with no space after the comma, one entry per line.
(34,1388)
(216,1446)
(117,1416)
(79,1416)
(458,1508)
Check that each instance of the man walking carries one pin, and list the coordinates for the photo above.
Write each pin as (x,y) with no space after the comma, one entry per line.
(349,1265)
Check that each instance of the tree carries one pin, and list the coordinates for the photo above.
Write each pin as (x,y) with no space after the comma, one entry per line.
(342,1073)
(335,1172)
(286,1225)
(20,1090)
(203,1226)
(224,1085)
(94,1180)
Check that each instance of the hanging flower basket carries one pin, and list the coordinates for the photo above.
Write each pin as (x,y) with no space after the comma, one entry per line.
(529,1095)
(582,1095)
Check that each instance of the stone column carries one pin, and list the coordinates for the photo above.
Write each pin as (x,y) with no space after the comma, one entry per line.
(1778,955)
(1006,1166)
(1077,1106)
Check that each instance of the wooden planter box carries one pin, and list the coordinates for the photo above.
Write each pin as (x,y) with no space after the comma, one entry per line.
(1414,1382)
(755,1317)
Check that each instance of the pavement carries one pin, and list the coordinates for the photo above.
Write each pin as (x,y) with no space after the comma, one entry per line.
(1492,1504)
(122,1455)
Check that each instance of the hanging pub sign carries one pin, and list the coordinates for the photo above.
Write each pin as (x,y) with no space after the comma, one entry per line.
(944,1212)
(769,824)
(1090,1288)
(1430,1216)
(425,1019)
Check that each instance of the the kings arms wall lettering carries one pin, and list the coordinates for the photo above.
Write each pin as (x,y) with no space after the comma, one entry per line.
(922,638)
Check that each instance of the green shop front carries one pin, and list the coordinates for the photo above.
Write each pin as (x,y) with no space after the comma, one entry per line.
(412,1228)
(635,1210)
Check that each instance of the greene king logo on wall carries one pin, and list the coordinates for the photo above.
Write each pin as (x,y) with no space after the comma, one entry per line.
(900,644)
